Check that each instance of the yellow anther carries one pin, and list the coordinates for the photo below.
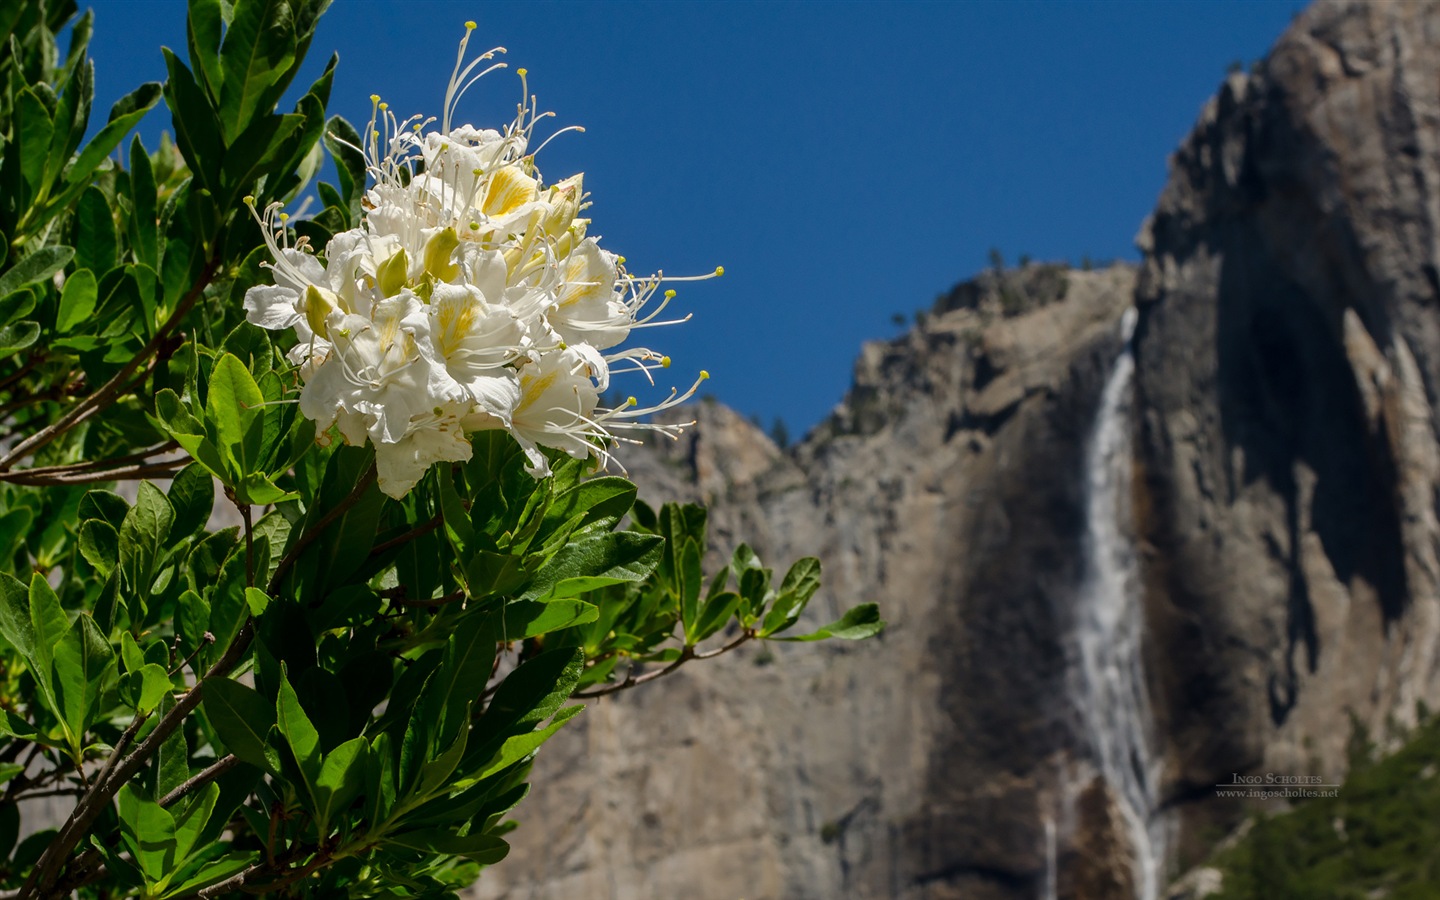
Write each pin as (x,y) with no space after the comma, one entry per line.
(477,172)
(719,270)
(474,226)
(631,401)
(522,72)
(704,375)
(664,362)
(469,26)
(670,294)
(374,98)
(439,412)
(620,260)
(284,217)
(249,199)
(384,106)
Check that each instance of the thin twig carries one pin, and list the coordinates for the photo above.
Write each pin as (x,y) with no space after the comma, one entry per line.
(47,869)
(407,537)
(124,473)
(686,654)
(201,778)
(117,382)
(311,534)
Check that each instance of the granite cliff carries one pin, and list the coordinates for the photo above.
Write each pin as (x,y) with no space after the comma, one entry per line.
(1281,499)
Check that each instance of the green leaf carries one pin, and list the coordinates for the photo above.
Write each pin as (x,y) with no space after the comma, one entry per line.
(13,526)
(859,623)
(192,495)
(124,115)
(190,822)
(800,584)
(34,268)
(143,219)
(234,418)
(83,660)
(520,746)
(597,561)
(599,499)
(532,692)
(690,581)
(100,545)
(259,47)
(715,614)
(464,671)
(340,780)
(146,687)
(148,831)
(77,302)
(243,720)
(532,618)
(15,622)
(97,247)
(481,848)
(299,734)
(20,303)
(197,131)
(33,130)
(18,336)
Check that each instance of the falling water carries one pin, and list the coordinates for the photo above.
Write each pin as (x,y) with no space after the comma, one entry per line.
(1111,684)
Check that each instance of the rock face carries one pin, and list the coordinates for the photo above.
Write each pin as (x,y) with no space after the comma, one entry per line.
(1288,365)
(918,765)
(1286,482)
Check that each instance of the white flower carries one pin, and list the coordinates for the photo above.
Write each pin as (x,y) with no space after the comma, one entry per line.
(470,298)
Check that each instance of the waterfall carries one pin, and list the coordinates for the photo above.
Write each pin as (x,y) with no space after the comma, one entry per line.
(1110,687)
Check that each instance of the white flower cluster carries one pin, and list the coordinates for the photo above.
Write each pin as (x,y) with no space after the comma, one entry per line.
(470,299)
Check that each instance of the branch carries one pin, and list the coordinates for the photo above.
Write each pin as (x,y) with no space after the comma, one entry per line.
(104,788)
(686,654)
(117,382)
(407,537)
(201,778)
(311,534)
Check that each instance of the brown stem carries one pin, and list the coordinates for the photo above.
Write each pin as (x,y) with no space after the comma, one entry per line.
(117,382)
(30,364)
(201,778)
(123,473)
(42,878)
(329,519)
(407,537)
(686,654)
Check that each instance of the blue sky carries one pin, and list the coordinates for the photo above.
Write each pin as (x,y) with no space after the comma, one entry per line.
(843,161)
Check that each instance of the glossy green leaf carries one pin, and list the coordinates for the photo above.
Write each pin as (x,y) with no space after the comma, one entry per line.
(233,417)
(192,496)
(83,660)
(77,302)
(521,746)
(340,780)
(243,720)
(481,848)
(100,545)
(860,622)
(147,830)
(596,561)
(96,244)
(300,735)
(800,584)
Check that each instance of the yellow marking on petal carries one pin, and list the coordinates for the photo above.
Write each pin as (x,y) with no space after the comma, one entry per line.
(509,189)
